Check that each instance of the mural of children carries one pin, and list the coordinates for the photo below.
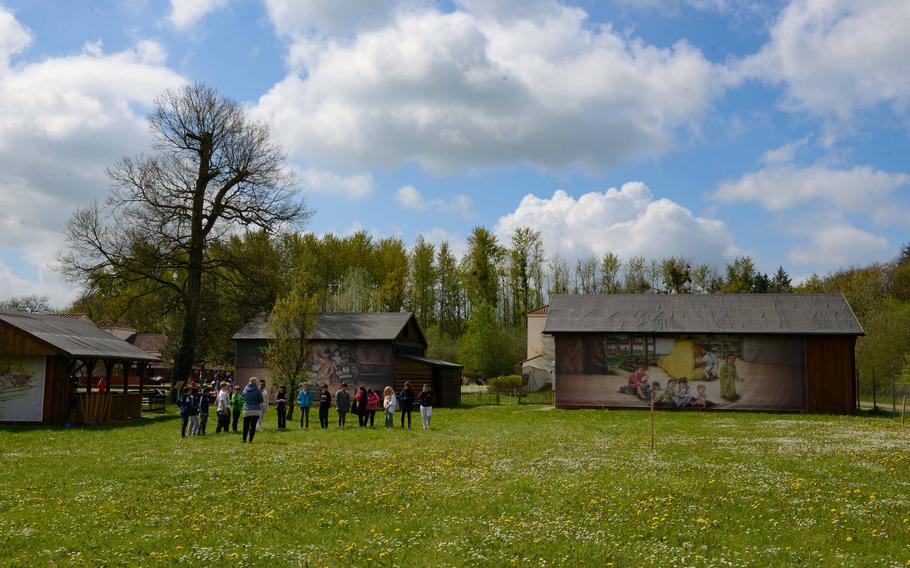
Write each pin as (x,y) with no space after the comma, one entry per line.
(728,378)
(638,384)
(701,399)
(671,393)
(683,398)
(709,360)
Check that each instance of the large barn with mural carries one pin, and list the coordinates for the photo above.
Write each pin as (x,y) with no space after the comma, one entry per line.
(734,351)
(372,349)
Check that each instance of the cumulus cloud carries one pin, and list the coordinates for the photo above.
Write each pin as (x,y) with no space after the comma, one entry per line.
(185,13)
(13,36)
(835,57)
(840,245)
(63,120)
(861,189)
(626,221)
(355,186)
(468,89)
(459,204)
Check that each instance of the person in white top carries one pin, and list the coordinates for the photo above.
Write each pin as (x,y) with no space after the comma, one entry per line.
(390,405)
(223,408)
(265,404)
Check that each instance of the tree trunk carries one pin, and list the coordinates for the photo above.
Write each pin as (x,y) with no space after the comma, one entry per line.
(186,353)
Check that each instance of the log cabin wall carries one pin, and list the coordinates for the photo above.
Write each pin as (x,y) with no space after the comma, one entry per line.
(448,386)
(13,341)
(416,372)
(57,391)
(830,381)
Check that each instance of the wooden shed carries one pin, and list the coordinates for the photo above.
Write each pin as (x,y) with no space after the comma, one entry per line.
(780,352)
(51,367)
(372,349)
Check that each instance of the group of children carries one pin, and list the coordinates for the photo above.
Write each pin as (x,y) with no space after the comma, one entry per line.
(252,402)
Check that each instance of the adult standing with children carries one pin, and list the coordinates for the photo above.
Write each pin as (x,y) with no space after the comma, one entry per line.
(252,409)
(406,400)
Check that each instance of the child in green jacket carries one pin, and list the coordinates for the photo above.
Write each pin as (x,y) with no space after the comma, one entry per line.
(236,407)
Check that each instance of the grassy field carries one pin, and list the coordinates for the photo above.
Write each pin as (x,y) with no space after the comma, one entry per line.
(513,485)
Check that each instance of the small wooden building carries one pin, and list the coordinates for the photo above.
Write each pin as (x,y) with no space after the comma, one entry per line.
(782,352)
(371,349)
(51,367)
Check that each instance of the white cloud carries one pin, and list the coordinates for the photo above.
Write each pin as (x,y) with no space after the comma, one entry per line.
(410,197)
(840,245)
(63,120)
(835,57)
(468,89)
(861,189)
(437,235)
(13,36)
(784,154)
(626,221)
(185,13)
(355,186)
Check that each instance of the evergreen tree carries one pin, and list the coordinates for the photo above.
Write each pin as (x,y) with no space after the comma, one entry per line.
(781,283)
(482,277)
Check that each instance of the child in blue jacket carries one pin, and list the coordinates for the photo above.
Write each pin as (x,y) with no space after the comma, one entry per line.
(304,402)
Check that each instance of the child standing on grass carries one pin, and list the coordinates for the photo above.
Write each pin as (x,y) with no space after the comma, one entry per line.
(252,408)
(305,401)
(236,407)
(325,402)
(360,406)
(372,405)
(406,400)
(223,408)
(389,404)
(204,410)
(192,402)
(425,398)
(184,403)
(281,402)
(342,404)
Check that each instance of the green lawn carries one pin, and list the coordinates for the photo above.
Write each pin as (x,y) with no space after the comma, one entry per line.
(512,485)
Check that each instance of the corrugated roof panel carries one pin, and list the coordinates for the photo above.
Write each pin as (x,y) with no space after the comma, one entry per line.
(803,314)
(74,337)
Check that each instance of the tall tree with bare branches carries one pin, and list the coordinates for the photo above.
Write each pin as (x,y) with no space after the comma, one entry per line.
(214,171)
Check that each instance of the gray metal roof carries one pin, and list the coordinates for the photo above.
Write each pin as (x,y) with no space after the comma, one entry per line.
(428,360)
(802,314)
(337,326)
(74,337)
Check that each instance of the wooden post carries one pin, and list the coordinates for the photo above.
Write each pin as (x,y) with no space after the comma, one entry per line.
(903,409)
(109,374)
(142,369)
(874,388)
(652,420)
(126,374)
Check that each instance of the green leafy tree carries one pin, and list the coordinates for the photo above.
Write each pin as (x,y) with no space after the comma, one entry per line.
(740,276)
(525,271)
(610,270)
(482,277)
(422,284)
(449,291)
(676,275)
(292,322)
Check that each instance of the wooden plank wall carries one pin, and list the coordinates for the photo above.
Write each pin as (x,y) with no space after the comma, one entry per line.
(830,372)
(56,391)
(448,387)
(15,342)
(415,371)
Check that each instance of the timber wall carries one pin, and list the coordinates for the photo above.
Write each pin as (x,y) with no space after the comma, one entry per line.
(830,374)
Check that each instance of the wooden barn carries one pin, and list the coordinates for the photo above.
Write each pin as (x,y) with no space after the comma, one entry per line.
(778,352)
(372,349)
(51,367)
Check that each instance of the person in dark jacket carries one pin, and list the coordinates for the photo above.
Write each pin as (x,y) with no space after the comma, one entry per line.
(342,404)
(406,400)
(425,398)
(203,411)
(281,406)
(184,403)
(325,402)
(252,409)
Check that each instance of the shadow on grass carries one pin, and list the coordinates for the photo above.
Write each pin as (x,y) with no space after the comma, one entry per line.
(146,420)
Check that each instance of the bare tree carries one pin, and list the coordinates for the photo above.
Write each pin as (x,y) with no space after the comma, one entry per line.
(214,171)
(33,304)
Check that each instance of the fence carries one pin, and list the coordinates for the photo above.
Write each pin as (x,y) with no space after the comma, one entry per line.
(884,391)
(484,398)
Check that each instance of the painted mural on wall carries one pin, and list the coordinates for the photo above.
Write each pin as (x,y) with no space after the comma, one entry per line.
(371,364)
(693,371)
(21,388)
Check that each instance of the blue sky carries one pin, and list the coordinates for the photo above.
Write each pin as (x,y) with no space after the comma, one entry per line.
(703,128)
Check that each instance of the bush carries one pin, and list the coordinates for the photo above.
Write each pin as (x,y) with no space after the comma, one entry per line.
(505,384)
